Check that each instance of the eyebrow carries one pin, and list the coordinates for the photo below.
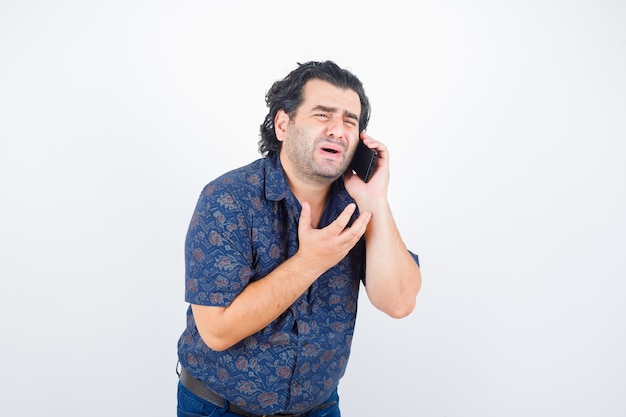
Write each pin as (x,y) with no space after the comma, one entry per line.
(335,110)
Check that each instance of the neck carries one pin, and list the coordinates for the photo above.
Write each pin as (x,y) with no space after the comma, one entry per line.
(314,193)
(315,196)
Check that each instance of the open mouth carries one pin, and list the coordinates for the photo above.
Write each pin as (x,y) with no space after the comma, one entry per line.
(331,149)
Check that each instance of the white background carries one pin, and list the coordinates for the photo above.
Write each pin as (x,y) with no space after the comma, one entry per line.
(506,123)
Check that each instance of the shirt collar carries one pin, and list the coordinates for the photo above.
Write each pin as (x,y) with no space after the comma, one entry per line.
(276,185)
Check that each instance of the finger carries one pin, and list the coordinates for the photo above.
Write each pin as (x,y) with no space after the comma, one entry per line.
(372,143)
(342,221)
(305,217)
(368,140)
(359,226)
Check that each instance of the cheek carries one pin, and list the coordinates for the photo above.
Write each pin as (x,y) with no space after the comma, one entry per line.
(352,147)
(350,154)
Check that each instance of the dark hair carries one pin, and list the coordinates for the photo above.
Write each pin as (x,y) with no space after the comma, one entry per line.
(286,94)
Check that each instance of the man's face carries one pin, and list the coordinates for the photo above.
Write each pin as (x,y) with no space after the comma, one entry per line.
(319,141)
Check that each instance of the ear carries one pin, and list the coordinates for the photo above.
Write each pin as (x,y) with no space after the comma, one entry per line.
(280,125)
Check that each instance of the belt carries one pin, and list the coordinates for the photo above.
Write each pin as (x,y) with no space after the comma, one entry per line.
(196,387)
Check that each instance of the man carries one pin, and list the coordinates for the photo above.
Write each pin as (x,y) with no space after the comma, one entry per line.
(276,251)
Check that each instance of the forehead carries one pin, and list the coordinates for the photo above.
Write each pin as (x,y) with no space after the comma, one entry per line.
(321,93)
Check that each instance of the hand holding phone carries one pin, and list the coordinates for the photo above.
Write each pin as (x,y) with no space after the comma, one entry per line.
(364,161)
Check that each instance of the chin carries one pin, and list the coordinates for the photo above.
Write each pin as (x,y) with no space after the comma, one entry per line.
(329,173)
(326,177)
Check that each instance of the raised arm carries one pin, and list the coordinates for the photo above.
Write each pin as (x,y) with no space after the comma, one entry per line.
(393,278)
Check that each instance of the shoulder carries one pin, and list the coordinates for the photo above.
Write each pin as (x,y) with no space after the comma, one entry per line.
(242,180)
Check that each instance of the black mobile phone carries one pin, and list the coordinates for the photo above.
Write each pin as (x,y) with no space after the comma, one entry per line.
(363,161)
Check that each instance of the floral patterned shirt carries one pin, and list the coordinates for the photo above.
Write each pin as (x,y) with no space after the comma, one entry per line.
(244,226)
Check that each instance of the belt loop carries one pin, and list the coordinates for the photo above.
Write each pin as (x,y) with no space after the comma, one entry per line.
(224,408)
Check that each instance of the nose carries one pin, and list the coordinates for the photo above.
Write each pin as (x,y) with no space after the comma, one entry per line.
(336,129)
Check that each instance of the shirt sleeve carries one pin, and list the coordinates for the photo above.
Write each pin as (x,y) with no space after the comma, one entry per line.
(415,258)
(218,255)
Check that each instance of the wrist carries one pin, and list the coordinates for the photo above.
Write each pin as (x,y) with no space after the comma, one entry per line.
(374,206)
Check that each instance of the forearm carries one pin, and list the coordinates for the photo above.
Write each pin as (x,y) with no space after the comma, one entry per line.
(393,278)
(260,303)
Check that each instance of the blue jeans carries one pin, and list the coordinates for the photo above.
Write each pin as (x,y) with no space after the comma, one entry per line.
(190,405)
